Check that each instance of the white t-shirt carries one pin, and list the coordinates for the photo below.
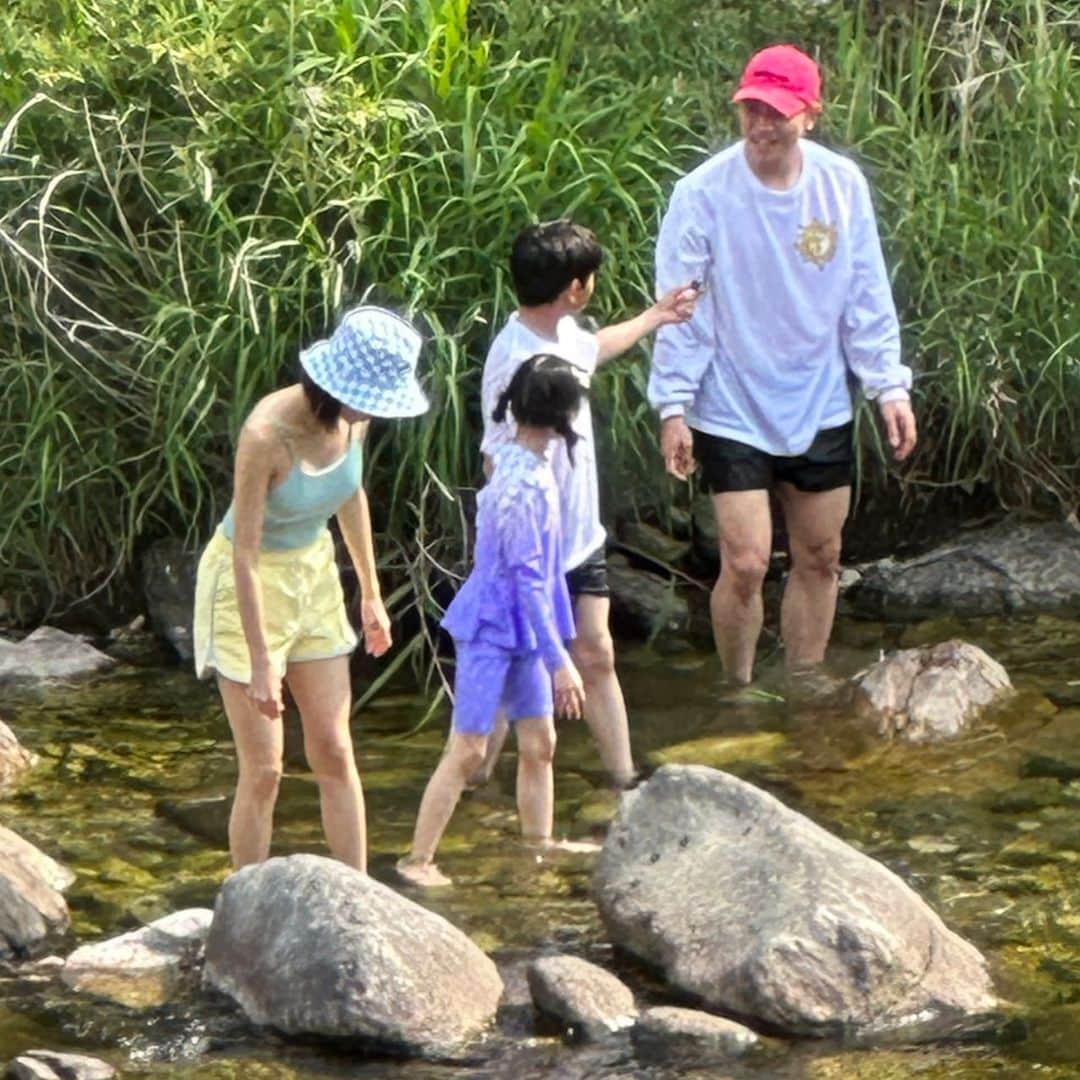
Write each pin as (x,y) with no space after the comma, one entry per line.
(579,494)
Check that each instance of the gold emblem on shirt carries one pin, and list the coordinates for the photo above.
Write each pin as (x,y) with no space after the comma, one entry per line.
(817,243)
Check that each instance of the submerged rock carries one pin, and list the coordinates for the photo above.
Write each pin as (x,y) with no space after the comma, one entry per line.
(145,968)
(1010,568)
(33,913)
(49,653)
(310,946)
(168,576)
(717,751)
(931,693)
(14,758)
(592,1002)
(644,604)
(50,1065)
(665,1030)
(1055,750)
(759,912)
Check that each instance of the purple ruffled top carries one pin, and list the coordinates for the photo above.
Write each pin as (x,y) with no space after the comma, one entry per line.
(516,596)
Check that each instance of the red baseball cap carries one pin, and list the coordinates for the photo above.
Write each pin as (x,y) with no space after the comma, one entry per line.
(783,77)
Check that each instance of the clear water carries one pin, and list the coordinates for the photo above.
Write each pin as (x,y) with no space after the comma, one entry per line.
(136,770)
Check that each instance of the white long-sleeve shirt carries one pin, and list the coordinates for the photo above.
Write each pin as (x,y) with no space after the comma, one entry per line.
(796,296)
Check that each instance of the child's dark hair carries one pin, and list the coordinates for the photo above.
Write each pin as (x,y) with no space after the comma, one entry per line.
(544,392)
(546,258)
(326,407)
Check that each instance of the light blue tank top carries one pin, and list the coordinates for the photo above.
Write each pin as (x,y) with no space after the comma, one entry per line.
(297,509)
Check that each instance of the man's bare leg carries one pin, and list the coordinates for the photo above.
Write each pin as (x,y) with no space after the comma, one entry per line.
(814,520)
(593,652)
(744,524)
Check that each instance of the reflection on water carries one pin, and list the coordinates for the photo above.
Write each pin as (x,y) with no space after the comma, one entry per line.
(132,794)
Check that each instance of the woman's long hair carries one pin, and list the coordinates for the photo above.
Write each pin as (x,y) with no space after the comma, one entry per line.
(544,392)
(325,407)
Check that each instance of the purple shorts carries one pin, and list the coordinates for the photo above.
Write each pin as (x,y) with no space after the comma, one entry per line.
(489,679)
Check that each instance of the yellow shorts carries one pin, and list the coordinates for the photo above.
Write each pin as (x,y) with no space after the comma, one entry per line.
(303,609)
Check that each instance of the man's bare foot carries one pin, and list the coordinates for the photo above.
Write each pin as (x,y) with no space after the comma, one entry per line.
(425,874)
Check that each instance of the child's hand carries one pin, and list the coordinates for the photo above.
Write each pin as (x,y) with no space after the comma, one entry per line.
(569,692)
(677,305)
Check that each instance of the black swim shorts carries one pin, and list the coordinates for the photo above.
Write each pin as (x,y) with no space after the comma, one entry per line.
(827,463)
(589,578)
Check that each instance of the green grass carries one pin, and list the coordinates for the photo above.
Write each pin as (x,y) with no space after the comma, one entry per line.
(189,191)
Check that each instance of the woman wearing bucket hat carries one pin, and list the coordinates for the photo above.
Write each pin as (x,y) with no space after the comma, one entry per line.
(269,604)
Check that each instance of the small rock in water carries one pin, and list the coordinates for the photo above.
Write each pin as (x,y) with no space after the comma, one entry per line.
(33,913)
(644,604)
(145,968)
(592,1002)
(655,544)
(14,759)
(51,1065)
(1055,750)
(47,654)
(931,693)
(665,1029)
(719,751)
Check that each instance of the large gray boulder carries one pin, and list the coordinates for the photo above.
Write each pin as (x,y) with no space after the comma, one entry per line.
(145,968)
(590,1001)
(757,911)
(48,654)
(1010,568)
(310,946)
(14,758)
(33,913)
(934,692)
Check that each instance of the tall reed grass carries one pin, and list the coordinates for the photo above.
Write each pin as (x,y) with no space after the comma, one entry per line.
(190,191)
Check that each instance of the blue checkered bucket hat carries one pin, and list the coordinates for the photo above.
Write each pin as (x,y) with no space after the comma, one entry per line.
(369,364)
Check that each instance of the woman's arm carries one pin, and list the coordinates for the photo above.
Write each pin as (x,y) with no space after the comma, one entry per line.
(354,517)
(255,455)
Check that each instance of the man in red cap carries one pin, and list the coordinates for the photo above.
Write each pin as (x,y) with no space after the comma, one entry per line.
(780,233)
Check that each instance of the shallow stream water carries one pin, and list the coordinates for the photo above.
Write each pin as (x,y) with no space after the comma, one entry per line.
(136,769)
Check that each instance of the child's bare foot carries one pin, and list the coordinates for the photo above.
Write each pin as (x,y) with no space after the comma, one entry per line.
(425,874)
(571,847)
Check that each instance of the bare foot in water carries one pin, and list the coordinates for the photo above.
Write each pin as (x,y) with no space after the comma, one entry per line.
(571,847)
(425,874)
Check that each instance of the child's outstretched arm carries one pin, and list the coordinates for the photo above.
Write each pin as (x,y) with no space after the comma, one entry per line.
(675,306)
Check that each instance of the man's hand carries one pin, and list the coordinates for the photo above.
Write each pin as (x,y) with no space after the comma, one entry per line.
(900,430)
(569,692)
(376,626)
(676,305)
(677,446)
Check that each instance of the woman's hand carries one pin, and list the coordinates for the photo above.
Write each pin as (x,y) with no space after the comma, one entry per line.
(569,692)
(265,690)
(376,626)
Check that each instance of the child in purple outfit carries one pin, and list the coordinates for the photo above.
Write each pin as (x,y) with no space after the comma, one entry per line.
(511,619)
